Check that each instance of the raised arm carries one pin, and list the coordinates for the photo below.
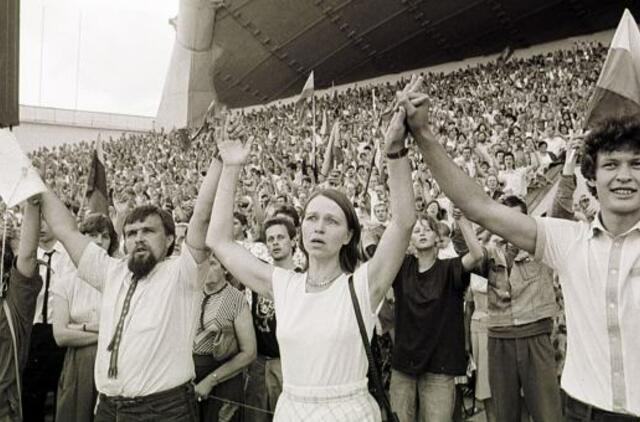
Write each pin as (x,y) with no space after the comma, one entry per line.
(63,225)
(475,254)
(387,259)
(27,260)
(562,206)
(512,225)
(246,268)
(196,233)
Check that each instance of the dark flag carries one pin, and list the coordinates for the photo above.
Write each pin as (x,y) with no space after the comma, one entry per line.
(97,195)
(617,92)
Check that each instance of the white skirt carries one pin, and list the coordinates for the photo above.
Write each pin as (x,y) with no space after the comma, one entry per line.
(336,403)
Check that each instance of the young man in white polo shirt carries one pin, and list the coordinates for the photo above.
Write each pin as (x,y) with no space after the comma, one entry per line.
(598,263)
(150,303)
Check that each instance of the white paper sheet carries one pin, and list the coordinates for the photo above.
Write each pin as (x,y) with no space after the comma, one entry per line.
(18,179)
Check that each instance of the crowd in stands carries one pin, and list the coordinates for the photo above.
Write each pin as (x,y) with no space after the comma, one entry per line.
(503,123)
(508,119)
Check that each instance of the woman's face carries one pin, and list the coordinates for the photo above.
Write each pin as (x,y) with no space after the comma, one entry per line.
(214,276)
(101,239)
(237,229)
(324,228)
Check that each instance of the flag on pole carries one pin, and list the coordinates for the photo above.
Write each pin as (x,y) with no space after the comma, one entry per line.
(374,102)
(97,195)
(307,89)
(617,92)
(323,126)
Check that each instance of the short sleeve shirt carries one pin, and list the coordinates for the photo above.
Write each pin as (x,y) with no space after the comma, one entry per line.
(430,317)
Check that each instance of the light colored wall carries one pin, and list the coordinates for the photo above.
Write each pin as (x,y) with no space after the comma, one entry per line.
(45,126)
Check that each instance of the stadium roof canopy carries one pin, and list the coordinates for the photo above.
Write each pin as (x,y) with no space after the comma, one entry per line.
(270,46)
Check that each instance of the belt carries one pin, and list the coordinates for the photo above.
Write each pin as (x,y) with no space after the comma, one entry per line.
(592,413)
(186,387)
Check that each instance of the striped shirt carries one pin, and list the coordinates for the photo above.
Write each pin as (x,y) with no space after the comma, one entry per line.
(219,310)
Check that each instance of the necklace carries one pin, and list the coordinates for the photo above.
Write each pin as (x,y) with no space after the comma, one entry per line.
(326,282)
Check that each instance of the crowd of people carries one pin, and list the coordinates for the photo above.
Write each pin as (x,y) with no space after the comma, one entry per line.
(167,307)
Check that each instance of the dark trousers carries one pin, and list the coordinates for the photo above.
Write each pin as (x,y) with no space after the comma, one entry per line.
(41,372)
(231,390)
(576,411)
(175,405)
(528,364)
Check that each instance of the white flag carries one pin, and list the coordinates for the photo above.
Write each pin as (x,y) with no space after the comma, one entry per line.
(307,90)
(18,179)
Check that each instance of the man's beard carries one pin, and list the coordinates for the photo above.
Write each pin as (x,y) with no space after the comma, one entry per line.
(141,266)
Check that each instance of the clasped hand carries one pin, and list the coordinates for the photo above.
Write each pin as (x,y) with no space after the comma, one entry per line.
(411,114)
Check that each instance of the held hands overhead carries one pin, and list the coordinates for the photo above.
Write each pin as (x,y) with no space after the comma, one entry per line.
(412,114)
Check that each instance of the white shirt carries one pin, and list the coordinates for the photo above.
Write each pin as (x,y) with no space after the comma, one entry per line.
(156,345)
(600,278)
(83,299)
(515,182)
(62,268)
(320,343)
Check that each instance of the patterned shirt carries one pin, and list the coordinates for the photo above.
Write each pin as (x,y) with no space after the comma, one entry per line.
(219,310)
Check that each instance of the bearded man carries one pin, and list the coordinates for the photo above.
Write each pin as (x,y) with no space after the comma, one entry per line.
(150,304)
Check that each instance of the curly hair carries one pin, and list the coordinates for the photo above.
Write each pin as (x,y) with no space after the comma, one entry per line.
(614,134)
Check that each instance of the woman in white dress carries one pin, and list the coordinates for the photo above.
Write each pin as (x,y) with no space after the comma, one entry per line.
(324,364)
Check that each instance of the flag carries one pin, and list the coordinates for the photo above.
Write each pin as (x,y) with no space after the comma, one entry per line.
(19,180)
(97,195)
(307,89)
(374,102)
(617,92)
(323,126)
(505,54)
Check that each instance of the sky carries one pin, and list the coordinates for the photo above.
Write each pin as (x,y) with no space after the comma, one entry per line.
(95,55)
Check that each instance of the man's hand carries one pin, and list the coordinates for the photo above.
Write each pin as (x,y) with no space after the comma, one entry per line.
(416,106)
(573,149)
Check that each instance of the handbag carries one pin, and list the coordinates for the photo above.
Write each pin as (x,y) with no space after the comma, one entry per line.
(378,391)
(225,343)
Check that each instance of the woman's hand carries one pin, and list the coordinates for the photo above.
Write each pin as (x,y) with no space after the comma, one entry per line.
(203,389)
(396,132)
(232,150)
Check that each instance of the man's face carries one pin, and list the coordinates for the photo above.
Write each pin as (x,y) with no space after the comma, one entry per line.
(380,212)
(492,182)
(618,182)
(508,161)
(279,243)
(146,243)
(181,235)
(46,235)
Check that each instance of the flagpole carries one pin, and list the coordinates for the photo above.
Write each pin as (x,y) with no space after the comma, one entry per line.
(313,135)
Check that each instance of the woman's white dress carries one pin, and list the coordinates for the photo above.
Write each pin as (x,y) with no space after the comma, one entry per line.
(324,363)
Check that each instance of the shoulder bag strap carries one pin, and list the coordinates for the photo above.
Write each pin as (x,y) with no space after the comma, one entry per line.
(367,347)
(14,342)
